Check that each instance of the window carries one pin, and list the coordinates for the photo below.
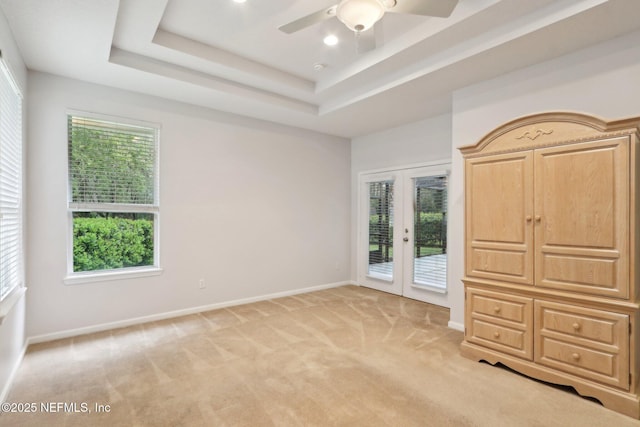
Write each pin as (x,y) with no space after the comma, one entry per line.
(381,229)
(10,183)
(430,231)
(113,195)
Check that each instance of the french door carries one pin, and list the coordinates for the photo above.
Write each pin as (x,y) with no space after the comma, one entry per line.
(402,242)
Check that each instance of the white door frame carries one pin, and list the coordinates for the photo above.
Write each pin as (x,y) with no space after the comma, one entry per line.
(401,283)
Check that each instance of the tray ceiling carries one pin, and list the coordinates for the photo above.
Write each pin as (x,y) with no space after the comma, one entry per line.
(232,57)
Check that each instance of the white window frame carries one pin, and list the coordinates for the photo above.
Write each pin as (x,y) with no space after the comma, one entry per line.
(74,277)
(17,288)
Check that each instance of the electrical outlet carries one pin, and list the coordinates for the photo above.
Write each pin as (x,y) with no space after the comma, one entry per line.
(201,284)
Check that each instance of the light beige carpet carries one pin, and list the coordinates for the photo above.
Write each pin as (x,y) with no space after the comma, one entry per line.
(348,356)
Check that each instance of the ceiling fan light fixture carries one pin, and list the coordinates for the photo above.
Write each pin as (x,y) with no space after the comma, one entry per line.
(360,15)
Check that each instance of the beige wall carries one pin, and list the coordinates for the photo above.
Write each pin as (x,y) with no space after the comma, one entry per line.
(253,208)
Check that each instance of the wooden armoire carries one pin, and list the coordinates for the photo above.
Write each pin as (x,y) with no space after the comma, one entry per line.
(552,241)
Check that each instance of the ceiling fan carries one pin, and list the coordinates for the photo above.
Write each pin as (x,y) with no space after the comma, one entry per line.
(361,15)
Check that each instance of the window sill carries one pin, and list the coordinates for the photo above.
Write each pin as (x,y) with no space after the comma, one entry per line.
(7,304)
(103,276)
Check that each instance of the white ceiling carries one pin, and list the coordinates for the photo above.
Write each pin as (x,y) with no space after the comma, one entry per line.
(232,57)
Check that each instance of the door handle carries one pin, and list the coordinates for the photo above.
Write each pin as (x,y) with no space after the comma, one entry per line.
(406,239)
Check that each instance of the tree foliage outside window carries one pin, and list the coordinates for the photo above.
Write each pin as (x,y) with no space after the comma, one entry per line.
(113,193)
(430,216)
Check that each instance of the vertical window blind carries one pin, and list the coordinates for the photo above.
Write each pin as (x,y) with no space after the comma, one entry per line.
(10,183)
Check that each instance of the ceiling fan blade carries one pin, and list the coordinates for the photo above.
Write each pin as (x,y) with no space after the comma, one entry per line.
(438,8)
(309,20)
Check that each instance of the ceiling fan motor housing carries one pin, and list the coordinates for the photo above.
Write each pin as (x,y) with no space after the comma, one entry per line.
(360,15)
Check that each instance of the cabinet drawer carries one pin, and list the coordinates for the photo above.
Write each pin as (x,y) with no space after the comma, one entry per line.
(500,306)
(499,337)
(500,321)
(582,341)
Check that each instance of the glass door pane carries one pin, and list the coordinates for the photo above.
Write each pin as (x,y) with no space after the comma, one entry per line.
(430,232)
(380,261)
(402,232)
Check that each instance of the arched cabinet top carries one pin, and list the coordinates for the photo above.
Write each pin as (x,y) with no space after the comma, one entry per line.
(545,129)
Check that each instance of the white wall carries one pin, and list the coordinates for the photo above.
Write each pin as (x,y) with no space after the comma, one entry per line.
(251,207)
(425,141)
(417,143)
(12,329)
(603,80)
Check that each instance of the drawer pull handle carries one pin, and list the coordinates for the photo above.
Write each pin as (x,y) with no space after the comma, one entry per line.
(575,356)
(576,326)
(496,334)
(496,309)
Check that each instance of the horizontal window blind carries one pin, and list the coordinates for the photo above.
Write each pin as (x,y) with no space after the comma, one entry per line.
(381,228)
(430,231)
(10,183)
(111,163)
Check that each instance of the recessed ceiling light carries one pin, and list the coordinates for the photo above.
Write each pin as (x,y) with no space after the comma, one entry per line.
(331,40)
(239,1)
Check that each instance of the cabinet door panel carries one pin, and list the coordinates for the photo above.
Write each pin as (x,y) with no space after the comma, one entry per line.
(500,261)
(581,271)
(582,213)
(499,205)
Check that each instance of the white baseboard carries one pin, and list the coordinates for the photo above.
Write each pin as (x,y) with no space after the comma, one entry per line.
(7,385)
(177,313)
(455,325)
